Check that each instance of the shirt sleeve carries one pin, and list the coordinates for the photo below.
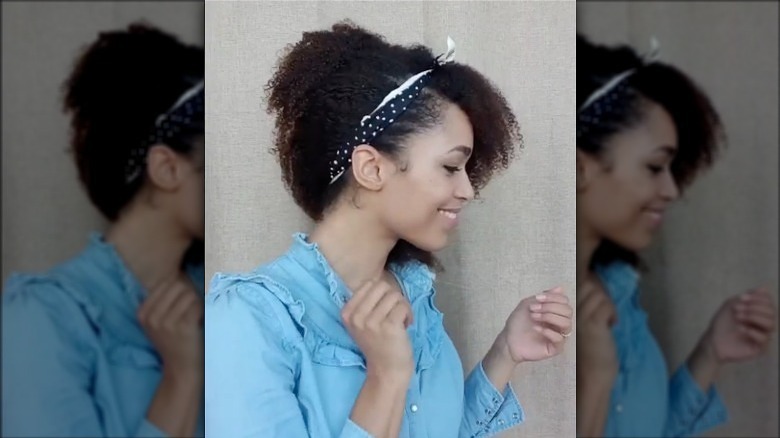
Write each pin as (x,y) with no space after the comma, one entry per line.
(250,371)
(691,410)
(47,366)
(487,411)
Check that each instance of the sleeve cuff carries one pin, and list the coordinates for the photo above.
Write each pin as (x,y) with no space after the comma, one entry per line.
(352,430)
(692,411)
(487,411)
(149,430)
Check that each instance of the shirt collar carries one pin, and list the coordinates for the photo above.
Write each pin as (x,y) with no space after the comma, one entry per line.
(414,276)
(619,278)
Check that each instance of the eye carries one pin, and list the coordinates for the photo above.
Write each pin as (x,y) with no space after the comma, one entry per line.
(452,169)
(655,169)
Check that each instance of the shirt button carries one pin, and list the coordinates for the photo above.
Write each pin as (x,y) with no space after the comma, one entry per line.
(413,408)
(500,422)
(619,408)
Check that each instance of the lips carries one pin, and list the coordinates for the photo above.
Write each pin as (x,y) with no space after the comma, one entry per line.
(450,215)
(655,214)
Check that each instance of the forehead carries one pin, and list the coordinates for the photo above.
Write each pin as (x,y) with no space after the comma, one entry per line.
(654,129)
(454,129)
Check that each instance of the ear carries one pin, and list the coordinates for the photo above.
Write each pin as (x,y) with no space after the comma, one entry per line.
(369,167)
(164,167)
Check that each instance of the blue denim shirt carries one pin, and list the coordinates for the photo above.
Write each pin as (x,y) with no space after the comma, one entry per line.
(280,363)
(645,402)
(75,360)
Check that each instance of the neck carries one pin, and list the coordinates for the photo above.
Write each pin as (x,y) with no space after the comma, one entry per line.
(355,246)
(152,246)
(587,242)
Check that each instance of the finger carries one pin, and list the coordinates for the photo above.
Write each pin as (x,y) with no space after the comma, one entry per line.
(385,306)
(356,298)
(755,335)
(762,298)
(150,301)
(550,334)
(409,320)
(397,314)
(365,308)
(589,305)
(552,296)
(194,314)
(605,313)
(587,289)
(555,308)
(179,308)
(556,322)
(163,304)
(754,307)
(757,294)
(759,321)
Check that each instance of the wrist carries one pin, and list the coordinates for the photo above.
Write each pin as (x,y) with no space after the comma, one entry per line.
(705,351)
(182,378)
(388,378)
(500,350)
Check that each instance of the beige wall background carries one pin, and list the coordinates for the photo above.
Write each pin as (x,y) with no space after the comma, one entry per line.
(518,241)
(45,213)
(722,238)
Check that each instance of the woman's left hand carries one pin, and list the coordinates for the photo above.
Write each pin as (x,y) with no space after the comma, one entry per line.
(742,327)
(538,327)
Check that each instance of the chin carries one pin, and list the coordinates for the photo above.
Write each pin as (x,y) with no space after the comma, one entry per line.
(635,243)
(429,243)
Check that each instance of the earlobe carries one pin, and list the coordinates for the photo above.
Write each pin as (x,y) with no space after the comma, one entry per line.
(367,167)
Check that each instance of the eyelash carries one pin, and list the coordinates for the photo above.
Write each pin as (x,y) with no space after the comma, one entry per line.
(655,169)
(451,169)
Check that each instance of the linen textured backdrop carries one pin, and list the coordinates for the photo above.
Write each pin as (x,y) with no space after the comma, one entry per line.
(516,242)
(722,237)
(46,215)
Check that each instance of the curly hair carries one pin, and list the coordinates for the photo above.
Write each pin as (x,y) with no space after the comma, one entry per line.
(329,79)
(119,85)
(699,129)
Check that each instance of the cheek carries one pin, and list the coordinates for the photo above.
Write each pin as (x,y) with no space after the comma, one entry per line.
(194,201)
(613,202)
(414,201)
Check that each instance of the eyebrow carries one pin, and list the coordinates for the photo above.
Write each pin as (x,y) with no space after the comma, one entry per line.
(465,150)
(669,149)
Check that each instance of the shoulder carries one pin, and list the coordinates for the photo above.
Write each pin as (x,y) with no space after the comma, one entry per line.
(38,309)
(259,300)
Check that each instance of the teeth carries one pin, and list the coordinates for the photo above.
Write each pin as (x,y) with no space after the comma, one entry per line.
(448,214)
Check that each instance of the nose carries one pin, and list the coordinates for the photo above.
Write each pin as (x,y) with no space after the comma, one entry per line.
(464,191)
(669,188)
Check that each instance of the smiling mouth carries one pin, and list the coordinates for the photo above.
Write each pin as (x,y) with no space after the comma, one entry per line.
(655,215)
(450,214)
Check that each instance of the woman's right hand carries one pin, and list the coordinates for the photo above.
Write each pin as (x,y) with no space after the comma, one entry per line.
(596,350)
(172,318)
(376,317)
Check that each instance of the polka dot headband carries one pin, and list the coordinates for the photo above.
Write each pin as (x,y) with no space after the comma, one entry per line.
(186,112)
(392,106)
(612,84)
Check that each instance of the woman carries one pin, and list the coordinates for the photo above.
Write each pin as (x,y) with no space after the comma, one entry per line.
(644,130)
(110,343)
(379,144)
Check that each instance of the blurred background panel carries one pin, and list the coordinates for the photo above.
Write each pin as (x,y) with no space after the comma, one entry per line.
(46,216)
(721,238)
